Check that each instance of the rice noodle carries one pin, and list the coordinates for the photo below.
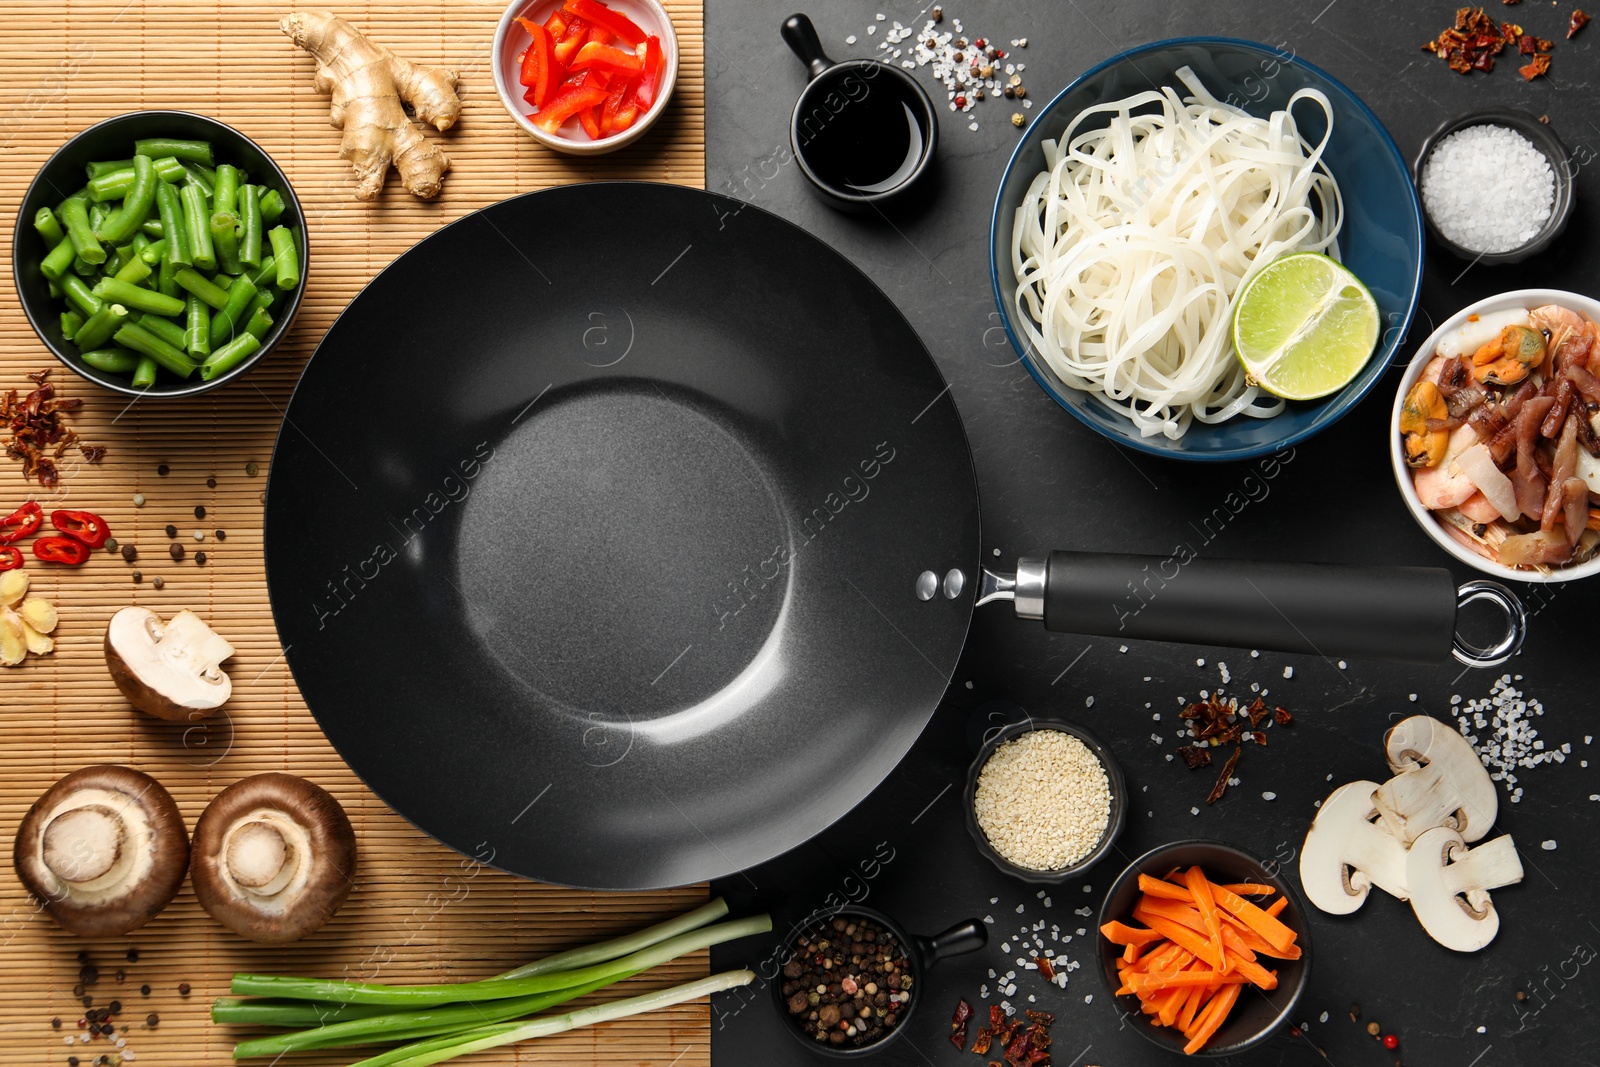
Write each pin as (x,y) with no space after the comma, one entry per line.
(1129,249)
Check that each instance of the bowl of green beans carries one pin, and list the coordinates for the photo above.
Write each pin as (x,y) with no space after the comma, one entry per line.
(160,253)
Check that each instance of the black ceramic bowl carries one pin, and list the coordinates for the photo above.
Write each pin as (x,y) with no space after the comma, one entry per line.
(1114,824)
(64,174)
(1544,139)
(1259,1013)
(969,935)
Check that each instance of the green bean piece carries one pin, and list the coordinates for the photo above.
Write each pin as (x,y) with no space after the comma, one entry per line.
(74,216)
(70,321)
(265,298)
(260,322)
(99,327)
(229,356)
(197,322)
(163,328)
(286,253)
(203,287)
(81,194)
(188,151)
(111,360)
(224,281)
(225,239)
(141,340)
(249,226)
(59,259)
(83,268)
(55,290)
(152,252)
(137,298)
(136,270)
(140,242)
(264,274)
(107,167)
(197,228)
(48,227)
(153,228)
(167,281)
(169,203)
(144,374)
(225,190)
(114,185)
(204,177)
(76,290)
(272,205)
(115,258)
(229,322)
(98,213)
(136,208)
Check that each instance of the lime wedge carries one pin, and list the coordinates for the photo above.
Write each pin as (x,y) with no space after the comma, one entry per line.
(1304,326)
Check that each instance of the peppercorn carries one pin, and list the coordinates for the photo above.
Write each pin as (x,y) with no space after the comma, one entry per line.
(87,1000)
(1374,1029)
(77,990)
(200,511)
(251,468)
(1009,92)
(1521,996)
(176,549)
(959,58)
(938,14)
(1022,91)
(211,483)
(163,470)
(183,989)
(978,94)
(199,535)
(137,577)
(55,1024)
(1017,119)
(133,955)
(159,582)
(130,553)
(138,500)
(72,1061)
(1391,1042)
(172,531)
(961,101)
(116,1007)
(153,1019)
(200,558)
(144,990)
(222,535)
(111,544)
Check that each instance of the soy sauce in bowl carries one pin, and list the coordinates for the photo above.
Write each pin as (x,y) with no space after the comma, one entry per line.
(871,144)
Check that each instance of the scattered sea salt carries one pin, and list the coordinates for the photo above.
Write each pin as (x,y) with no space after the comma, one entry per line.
(850,39)
(1269,795)
(1548,846)
(1288,672)
(1194,811)
(1488,188)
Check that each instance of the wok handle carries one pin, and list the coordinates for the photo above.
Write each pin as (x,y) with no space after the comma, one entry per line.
(801,37)
(1406,614)
(962,938)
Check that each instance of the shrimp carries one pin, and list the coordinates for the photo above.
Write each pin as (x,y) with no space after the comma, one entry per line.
(1571,335)
(1477,508)
(1443,485)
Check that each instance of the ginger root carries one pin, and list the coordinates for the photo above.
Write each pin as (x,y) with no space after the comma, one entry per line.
(368,83)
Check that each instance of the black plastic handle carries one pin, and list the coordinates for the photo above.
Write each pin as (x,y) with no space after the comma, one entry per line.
(960,939)
(1407,614)
(801,37)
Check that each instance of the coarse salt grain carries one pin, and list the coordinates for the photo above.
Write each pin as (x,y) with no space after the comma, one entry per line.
(1488,188)
(1043,800)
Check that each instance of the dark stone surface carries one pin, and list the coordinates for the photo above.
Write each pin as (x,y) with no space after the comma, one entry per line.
(1047,482)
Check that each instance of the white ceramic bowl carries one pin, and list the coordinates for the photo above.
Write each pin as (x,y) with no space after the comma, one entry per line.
(1528,298)
(510,40)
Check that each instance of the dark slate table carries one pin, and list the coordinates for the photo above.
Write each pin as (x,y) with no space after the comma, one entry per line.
(1047,482)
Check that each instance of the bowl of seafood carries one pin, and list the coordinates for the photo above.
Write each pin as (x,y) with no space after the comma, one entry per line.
(1495,436)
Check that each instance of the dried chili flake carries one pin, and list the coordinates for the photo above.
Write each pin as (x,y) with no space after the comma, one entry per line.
(38,435)
(1222,779)
(1281,716)
(1194,756)
(1578,22)
(958,1024)
(1047,971)
(981,1041)
(1535,66)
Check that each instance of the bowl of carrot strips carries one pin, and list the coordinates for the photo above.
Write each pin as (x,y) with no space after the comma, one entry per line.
(1209,943)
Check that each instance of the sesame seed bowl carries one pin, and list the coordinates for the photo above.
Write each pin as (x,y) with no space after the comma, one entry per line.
(1035,813)
(1482,122)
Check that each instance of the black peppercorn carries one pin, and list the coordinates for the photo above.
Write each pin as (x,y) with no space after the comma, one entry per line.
(222,535)
(163,470)
(172,531)
(144,990)
(211,483)
(72,1061)
(115,1007)
(200,512)
(183,989)
(152,1019)
(159,582)
(138,577)
(55,1024)
(200,558)
(177,550)
(130,553)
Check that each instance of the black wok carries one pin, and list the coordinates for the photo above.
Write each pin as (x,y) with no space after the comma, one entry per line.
(624,535)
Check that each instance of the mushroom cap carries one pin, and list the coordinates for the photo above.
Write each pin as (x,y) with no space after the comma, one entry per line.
(1345,853)
(104,850)
(171,670)
(1439,781)
(274,857)
(1449,886)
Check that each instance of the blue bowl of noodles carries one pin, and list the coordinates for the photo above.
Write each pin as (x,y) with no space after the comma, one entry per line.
(1124,289)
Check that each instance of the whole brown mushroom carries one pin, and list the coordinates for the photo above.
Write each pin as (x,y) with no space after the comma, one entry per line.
(103,850)
(274,857)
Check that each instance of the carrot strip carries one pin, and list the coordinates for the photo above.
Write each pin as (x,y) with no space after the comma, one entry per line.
(1271,930)
(1255,973)
(1170,1004)
(1277,906)
(1153,983)
(1155,887)
(1191,1005)
(1178,911)
(1131,953)
(1201,888)
(1183,936)
(1215,1013)
(1250,889)
(1255,942)
(1122,934)
(1233,943)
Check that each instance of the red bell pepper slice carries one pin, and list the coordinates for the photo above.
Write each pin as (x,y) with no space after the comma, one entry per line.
(21,523)
(570,101)
(607,58)
(567,45)
(61,550)
(556,24)
(540,71)
(617,100)
(589,119)
(598,13)
(83,526)
(10,559)
(650,79)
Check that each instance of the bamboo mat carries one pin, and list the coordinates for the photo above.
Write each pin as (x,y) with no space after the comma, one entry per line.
(420,911)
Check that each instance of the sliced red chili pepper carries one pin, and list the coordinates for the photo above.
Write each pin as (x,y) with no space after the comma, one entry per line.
(21,523)
(650,79)
(61,550)
(567,45)
(540,71)
(10,559)
(608,58)
(598,13)
(83,526)
(567,103)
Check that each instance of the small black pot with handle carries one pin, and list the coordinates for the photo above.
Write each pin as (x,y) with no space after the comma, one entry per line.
(969,935)
(863,132)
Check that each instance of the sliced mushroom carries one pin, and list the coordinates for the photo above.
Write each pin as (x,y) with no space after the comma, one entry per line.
(1347,852)
(274,857)
(1439,781)
(172,670)
(1450,886)
(103,850)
